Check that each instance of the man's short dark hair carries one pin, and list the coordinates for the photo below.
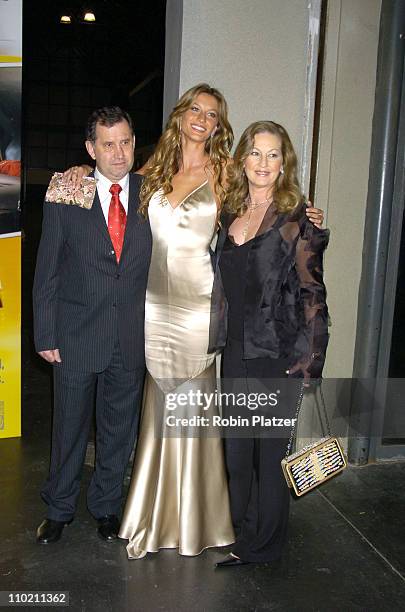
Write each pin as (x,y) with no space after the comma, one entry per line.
(108,116)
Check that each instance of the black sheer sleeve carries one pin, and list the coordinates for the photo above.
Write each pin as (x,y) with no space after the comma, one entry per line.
(219,306)
(312,340)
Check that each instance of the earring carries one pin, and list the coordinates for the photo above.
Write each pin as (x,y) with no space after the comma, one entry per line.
(281,170)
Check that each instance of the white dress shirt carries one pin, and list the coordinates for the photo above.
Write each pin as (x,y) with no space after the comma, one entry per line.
(103,190)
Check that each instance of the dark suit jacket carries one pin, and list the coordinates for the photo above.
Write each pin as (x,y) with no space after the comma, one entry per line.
(83,299)
(285,311)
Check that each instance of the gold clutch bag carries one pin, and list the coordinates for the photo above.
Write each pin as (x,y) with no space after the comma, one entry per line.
(59,193)
(315,463)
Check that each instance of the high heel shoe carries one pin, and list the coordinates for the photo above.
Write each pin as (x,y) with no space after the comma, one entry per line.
(231,561)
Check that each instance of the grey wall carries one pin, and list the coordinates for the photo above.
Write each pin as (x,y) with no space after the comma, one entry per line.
(174,33)
(343,164)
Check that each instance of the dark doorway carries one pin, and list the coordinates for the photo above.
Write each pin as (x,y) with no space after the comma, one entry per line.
(71,68)
(397,356)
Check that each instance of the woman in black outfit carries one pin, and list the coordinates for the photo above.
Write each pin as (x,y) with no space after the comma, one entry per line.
(270,260)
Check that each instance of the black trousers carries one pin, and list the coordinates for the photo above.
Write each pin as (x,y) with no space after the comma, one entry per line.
(118,401)
(259,495)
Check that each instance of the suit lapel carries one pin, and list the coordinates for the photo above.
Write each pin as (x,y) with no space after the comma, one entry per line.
(98,219)
(132,216)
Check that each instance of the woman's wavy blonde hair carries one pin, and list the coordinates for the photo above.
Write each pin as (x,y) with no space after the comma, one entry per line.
(166,160)
(286,194)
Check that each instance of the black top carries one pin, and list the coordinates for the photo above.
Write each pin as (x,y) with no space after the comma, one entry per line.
(233,271)
(284,297)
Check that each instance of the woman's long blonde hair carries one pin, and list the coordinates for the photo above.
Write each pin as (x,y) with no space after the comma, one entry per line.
(166,160)
(286,194)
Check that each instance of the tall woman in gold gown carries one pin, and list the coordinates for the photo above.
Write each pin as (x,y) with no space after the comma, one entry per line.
(178,496)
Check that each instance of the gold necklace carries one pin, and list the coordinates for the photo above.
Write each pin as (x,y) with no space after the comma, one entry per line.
(253,205)
(251,208)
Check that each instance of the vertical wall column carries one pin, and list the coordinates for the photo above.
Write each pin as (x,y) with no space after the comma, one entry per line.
(378,221)
(174,36)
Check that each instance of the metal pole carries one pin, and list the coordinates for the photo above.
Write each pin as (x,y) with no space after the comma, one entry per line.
(377,227)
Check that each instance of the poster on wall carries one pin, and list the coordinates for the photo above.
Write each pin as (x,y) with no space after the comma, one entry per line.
(10,113)
(10,236)
(10,336)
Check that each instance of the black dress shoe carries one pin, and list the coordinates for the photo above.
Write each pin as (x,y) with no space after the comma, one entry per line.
(50,531)
(108,527)
(231,561)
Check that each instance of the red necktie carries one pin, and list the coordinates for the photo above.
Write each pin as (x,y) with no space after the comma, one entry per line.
(117,220)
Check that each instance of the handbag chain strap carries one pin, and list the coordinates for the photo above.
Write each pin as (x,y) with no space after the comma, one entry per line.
(297,411)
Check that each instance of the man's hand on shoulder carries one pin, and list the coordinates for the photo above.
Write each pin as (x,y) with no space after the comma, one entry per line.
(52,355)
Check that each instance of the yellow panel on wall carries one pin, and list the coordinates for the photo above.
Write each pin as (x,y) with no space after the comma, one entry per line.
(10,336)
(10,59)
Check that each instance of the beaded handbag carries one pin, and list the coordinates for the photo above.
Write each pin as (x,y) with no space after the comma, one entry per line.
(315,463)
(59,193)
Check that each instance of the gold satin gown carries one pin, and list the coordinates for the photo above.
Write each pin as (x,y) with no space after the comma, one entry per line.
(178,496)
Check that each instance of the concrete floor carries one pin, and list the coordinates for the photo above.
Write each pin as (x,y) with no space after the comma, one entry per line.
(346,549)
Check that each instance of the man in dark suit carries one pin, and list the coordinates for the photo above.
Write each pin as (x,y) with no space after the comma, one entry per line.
(89,295)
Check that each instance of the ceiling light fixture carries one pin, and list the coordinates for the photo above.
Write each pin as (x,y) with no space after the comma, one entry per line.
(65,19)
(89,17)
